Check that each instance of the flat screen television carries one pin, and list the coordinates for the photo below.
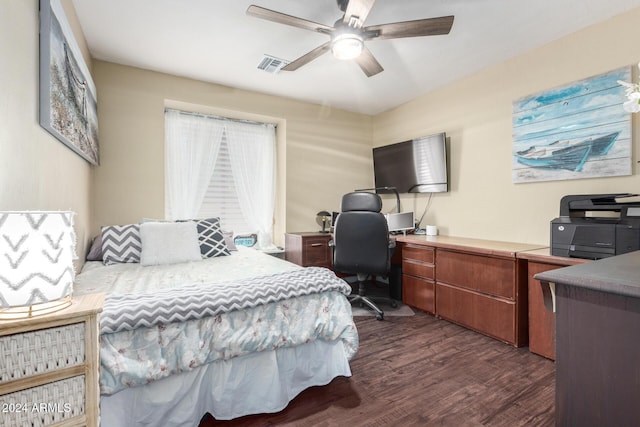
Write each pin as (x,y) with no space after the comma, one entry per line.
(415,166)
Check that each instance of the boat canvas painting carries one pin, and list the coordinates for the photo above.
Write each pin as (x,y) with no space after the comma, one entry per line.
(68,105)
(575,131)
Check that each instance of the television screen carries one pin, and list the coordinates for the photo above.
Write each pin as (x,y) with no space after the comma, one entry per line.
(415,166)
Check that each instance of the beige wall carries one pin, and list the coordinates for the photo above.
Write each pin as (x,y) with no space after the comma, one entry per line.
(323,153)
(328,152)
(37,172)
(476,115)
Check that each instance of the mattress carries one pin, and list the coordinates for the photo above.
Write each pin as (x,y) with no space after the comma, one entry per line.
(134,278)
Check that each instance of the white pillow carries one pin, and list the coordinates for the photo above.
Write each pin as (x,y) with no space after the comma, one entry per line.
(169,243)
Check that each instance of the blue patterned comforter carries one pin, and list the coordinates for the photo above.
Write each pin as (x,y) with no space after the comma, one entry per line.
(135,357)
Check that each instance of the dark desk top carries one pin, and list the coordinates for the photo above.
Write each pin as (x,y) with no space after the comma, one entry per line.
(617,275)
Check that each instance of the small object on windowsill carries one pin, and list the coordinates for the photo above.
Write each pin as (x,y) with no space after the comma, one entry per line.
(420,231)
(247,240)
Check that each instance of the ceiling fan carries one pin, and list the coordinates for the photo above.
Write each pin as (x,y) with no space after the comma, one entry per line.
(348,34)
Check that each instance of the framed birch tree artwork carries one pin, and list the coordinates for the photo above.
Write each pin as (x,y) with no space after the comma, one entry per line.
(68,103)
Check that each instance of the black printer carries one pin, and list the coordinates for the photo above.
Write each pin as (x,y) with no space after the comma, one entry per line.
(576,234)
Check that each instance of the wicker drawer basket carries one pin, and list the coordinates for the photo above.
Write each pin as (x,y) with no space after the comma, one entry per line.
(44,405)
(49,367)
(45,350)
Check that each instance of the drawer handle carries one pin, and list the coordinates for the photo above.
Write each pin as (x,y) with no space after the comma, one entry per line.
(315,245)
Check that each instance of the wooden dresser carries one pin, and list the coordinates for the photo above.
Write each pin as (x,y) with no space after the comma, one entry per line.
(479,284)
(49,367)
(308,249)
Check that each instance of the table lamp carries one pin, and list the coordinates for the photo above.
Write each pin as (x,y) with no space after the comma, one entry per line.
(37,250)
(324,218)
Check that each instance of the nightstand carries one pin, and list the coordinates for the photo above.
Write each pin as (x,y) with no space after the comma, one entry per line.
(308,249)
(49,367)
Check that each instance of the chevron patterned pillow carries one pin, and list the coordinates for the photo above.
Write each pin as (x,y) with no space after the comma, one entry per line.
(121,243)
(210,237)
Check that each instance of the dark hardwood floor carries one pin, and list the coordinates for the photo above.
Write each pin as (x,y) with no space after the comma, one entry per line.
(423,371)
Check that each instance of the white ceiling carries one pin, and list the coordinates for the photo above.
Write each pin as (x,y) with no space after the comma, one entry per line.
(215,41)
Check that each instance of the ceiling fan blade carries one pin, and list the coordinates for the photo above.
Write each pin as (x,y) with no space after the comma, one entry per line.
(282,18)
(358,9)
(368,63)
(418,28)
(305,59)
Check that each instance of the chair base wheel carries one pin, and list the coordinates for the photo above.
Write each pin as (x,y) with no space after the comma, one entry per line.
(379,317)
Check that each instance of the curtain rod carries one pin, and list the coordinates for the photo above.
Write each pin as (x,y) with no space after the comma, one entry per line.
(211,116)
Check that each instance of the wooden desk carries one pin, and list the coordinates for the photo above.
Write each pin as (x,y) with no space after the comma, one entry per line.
(597,345)
(542,322)
(479,284)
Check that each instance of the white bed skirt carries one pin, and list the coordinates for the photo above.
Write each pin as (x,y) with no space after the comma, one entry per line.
(256,383)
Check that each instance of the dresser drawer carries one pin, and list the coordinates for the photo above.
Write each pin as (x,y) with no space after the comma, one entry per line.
(37,352)
(491,316)
(317,252)
(418,253)
(308,249)
(46,404)
(419,293)
(489,275)
(418,268)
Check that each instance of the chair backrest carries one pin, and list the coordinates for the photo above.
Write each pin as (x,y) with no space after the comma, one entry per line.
(361,236)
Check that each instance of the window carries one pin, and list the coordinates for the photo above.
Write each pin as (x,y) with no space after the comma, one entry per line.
(221,198)
(224,168)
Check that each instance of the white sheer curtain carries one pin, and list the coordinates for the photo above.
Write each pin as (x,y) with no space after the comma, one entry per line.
(252,156)
(192,143)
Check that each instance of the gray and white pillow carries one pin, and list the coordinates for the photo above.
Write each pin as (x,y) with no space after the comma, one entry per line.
(210,237)
(228,239)
(95,253)
(121,244)
(169,243)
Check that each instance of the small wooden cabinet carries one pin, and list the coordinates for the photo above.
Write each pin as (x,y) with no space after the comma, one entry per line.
(49,367)
(308,249)
(542,322)
(418,277)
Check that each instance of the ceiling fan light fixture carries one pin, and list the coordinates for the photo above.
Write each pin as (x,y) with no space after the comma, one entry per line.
(347,46)
(348,33)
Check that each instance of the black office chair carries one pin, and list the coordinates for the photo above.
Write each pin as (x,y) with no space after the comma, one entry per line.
(361,243)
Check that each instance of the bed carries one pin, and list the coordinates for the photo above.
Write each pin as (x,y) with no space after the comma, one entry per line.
(230,335)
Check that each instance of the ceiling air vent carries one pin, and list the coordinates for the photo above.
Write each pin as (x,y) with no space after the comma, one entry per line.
(271,64)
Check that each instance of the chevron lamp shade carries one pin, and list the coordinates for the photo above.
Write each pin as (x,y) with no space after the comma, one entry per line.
(37,250)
